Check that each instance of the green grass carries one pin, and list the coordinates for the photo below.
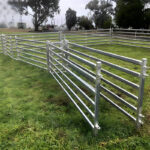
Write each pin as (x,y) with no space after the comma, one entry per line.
(36,114)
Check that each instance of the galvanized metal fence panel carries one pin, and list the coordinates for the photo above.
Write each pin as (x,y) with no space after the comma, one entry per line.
(133,106)
(133,38)
(66,73)
(87,75)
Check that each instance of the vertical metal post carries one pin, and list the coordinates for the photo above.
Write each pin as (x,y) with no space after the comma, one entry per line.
(141,93)
(17,49)
(66,47)
(10,46)
(2,42)
(111,30)
(60,38)
(48,58)
(86,38)
(135,34)
(97,97)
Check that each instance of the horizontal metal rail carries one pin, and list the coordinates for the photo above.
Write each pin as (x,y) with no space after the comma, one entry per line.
(118,107)
(110,83)
(133,39)
(33,64)
(75,85)
(39,47)
(73,68)
(108,63)
(132,45)
(87,75)
(131,42)
(75,56)
(87,85)
(86,39)
(77,97)
(104,71)
(33,60)
(89,42)
(32,41)
(39,57)
(80,110)
(119,98)
(31,50)
(44,36)
(134,61)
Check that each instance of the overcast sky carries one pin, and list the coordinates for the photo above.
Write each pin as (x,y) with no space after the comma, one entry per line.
(6,14)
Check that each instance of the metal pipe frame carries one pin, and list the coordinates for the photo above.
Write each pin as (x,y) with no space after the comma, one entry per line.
(76,96)
(39,57)
(141,92)
(87,85)
(134,61)
(31,50)
(87,75)
(33,60)
(80,110)
(75,85)
(52,63)
(109,64)
(39,47)
(110,83)
(95,116)
(33,64)
(97,97)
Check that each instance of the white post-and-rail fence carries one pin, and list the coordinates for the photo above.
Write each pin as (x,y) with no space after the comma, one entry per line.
(82,76)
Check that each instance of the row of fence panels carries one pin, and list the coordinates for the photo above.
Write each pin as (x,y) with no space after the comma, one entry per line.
(77,68)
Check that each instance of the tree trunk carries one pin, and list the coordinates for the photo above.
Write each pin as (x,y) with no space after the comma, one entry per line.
(36,27)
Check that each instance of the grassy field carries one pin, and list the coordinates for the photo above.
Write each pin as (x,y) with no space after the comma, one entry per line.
(36,114)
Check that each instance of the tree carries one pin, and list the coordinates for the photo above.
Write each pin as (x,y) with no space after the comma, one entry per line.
(102,11)
(147,18)
(129,13)
(71,18)
(85,23)
(18,5)
(42,9)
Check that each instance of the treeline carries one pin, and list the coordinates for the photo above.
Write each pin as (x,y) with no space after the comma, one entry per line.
(125,14)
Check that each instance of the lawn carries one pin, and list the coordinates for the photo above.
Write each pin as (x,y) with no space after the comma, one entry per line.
(36,114)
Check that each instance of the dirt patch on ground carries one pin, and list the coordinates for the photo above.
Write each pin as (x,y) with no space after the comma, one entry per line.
(13,30)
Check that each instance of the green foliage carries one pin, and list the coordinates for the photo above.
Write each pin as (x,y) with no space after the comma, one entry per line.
(129,13)
(18,5)
(71,18)
(147,18)
(42,9)
(102,11)
(85,23)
